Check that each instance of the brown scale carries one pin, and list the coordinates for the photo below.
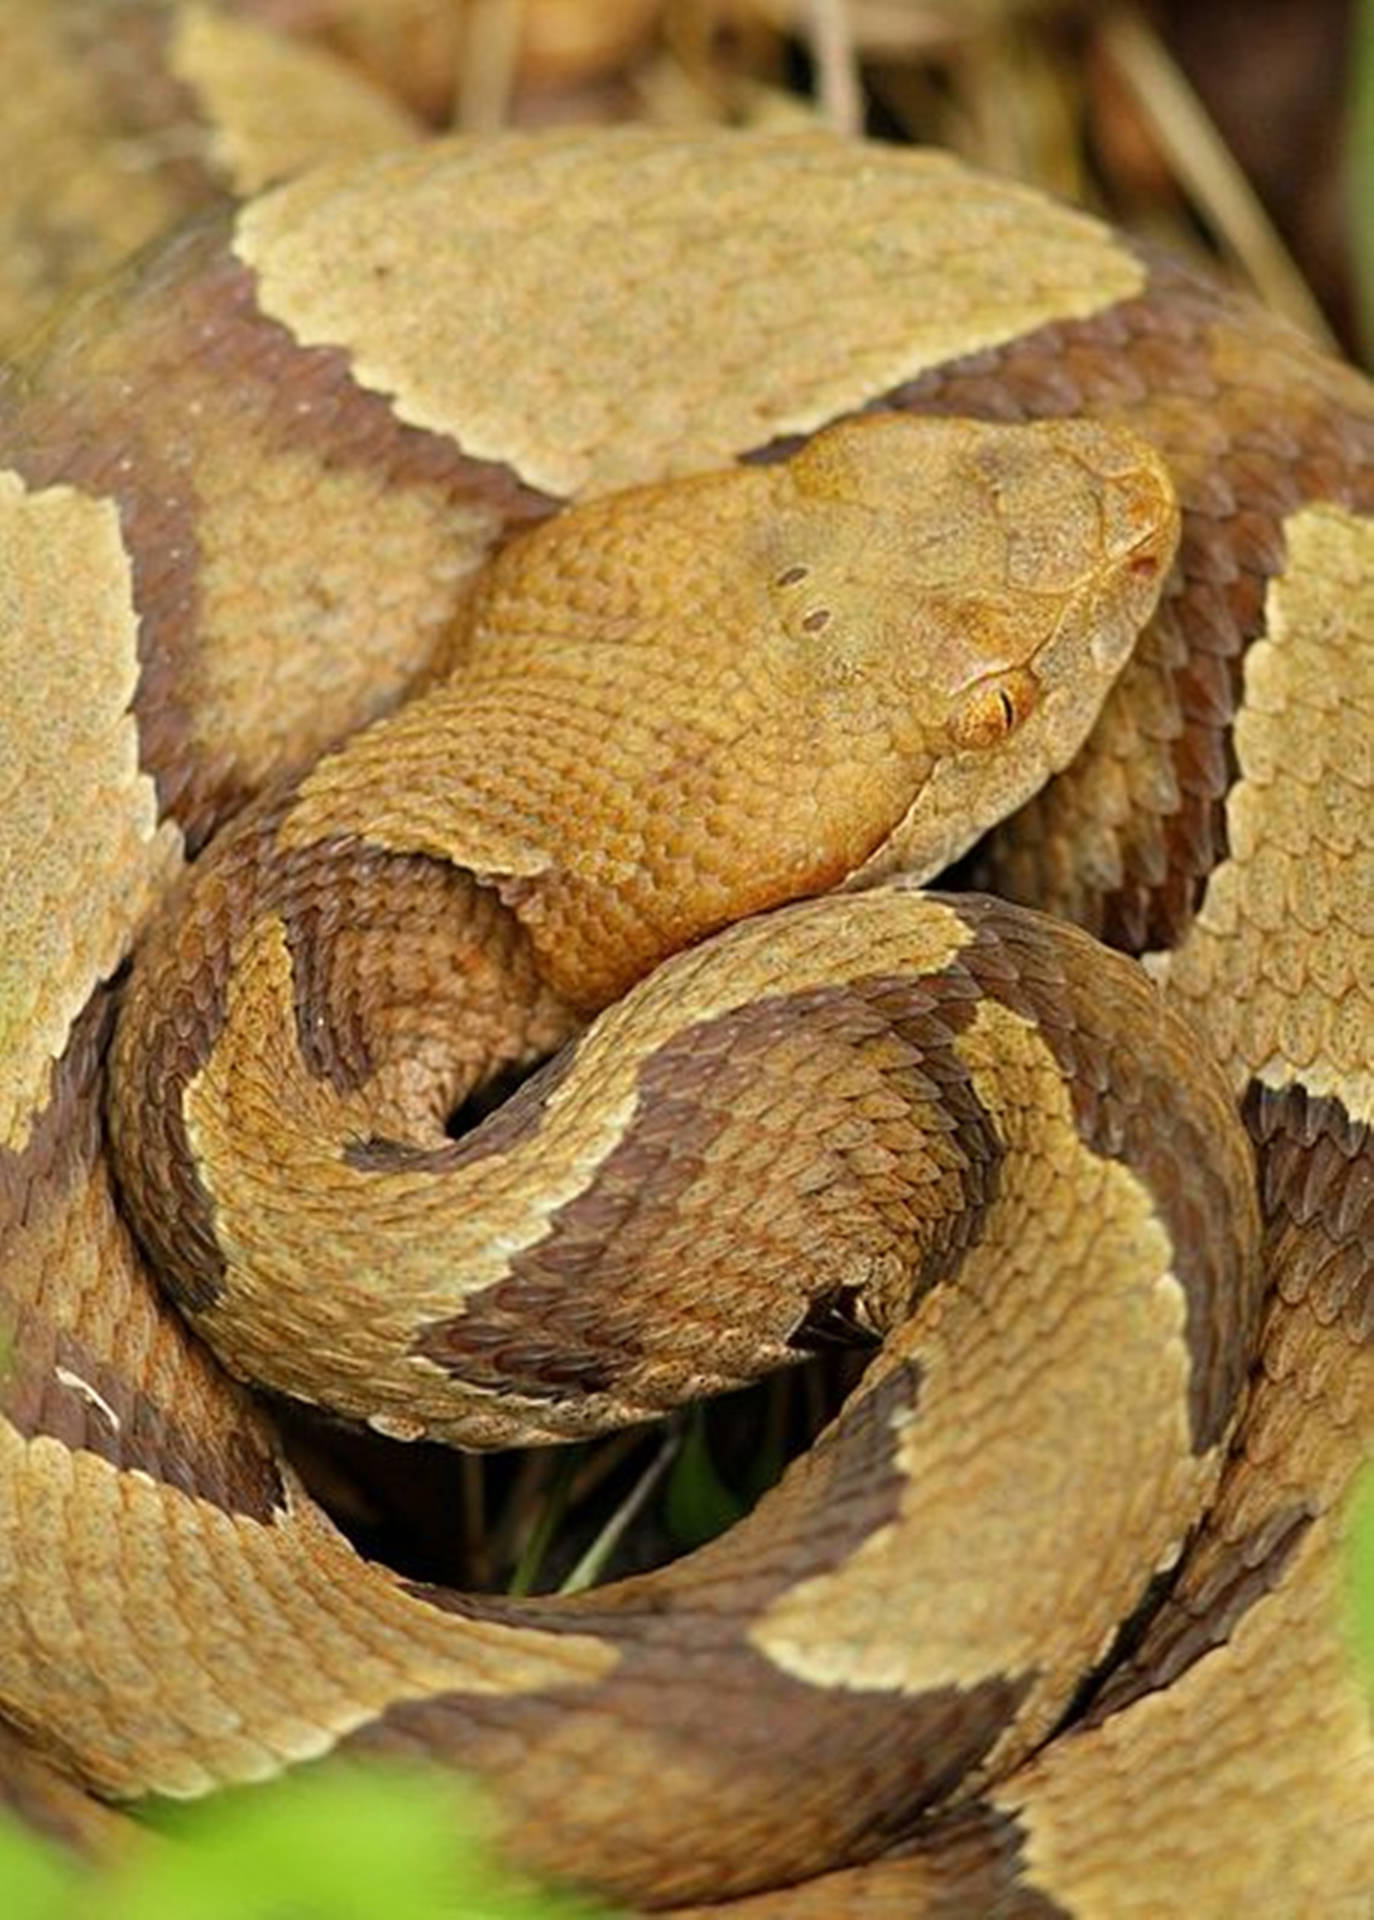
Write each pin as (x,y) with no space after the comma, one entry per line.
(840,1496)
(1118,1092)
(552,1324)
(780,1739)
(1317,1195)
(143,1397)
(390,951)
(107,401)
(951,1869)
(52,1803)
(129,116)
(689,1090)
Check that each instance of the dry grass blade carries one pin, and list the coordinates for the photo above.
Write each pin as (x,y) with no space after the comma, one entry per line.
(592,1564)
(487,70)
(1206,168)
(547,1523)
(830,33)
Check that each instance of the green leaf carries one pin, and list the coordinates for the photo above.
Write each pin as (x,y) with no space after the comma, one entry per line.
(36,1880)
(1359,169)
(331,1843)
(697,1504)
(1361,1549)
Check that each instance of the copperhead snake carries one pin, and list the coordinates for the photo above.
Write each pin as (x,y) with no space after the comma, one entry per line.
(561,598)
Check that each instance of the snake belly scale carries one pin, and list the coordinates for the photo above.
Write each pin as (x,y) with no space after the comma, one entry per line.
(428,658)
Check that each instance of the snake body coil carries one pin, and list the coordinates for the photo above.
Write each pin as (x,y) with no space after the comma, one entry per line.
(418,671)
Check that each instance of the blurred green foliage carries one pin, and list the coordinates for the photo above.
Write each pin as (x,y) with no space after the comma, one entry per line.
(698,1504)
(330,1844)
(1362,1575)
(1359,171)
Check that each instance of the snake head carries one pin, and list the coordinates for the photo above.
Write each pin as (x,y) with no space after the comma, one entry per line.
(967,593)
(757,682)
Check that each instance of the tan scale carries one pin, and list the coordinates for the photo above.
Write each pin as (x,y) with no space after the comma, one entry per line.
(243,1706)
(729,247)
(1295,901)
(273,107)
(73,795)
(286,535)
(1260,1828)
(66,220)
(1100,1273)
(156,1568)
(123,118)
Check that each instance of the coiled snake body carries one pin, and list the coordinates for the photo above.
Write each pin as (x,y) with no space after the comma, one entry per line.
(1051,1620)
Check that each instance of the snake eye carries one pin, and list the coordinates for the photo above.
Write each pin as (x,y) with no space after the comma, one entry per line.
(993,708)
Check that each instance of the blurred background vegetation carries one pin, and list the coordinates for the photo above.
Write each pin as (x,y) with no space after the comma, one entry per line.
(1238,129)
